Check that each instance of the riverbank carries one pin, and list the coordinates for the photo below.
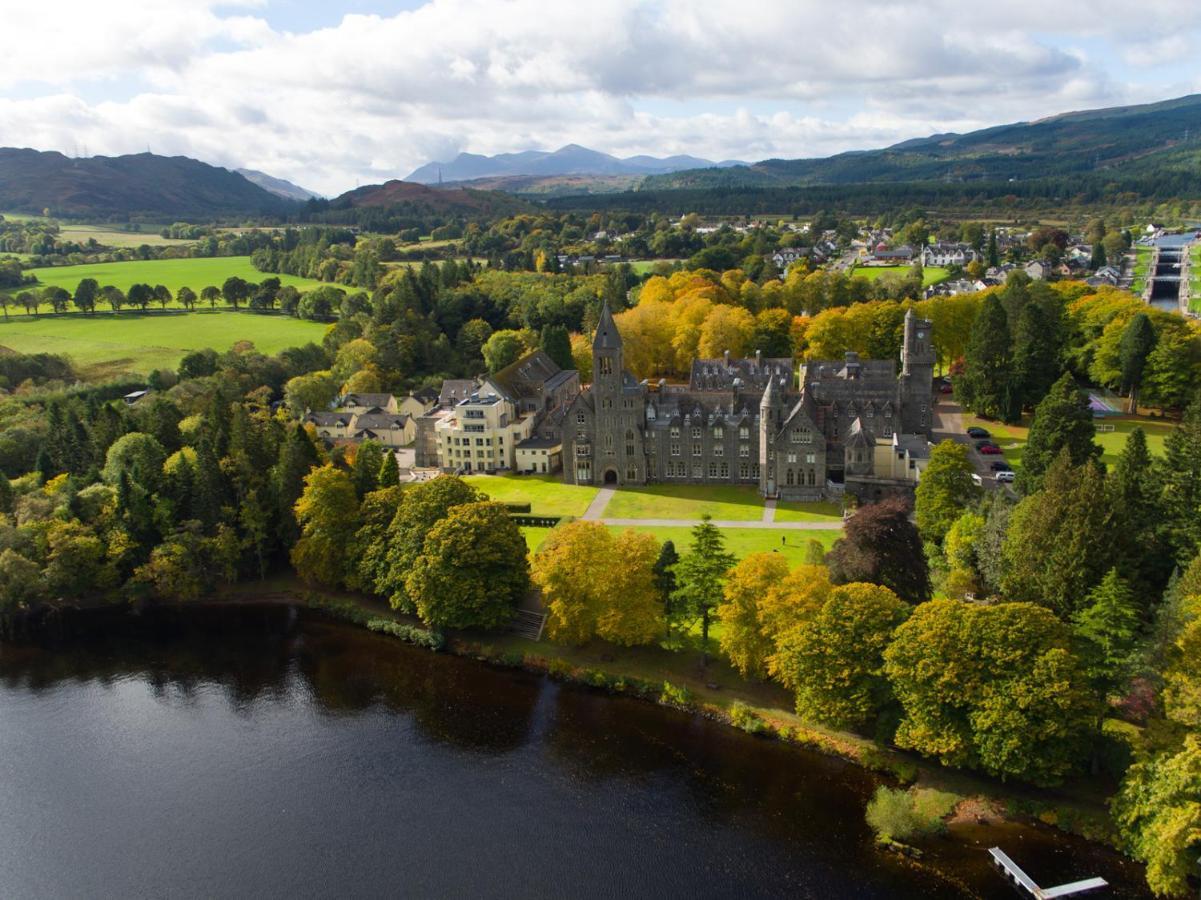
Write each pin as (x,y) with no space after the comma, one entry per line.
(681,679)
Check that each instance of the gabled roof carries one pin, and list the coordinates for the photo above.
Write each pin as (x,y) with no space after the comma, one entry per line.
(367,400)
(329,419)
(380,420)
(526,377)
(456,389)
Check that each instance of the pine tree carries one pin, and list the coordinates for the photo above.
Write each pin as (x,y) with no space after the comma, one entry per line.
(665,579)
(6,494)
(297,456)
(557,344)
(994,257)
(1180,469)
(1061,419)
(701,575)
(44,466)
(1138,340)
(988,367)
(367,462)
(1108,626)
(1135,485)
(1036,351)
(208,495)
(389,471)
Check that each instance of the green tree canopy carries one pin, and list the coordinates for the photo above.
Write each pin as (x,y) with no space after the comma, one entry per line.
(945,491)
(881,546)
(1061,419)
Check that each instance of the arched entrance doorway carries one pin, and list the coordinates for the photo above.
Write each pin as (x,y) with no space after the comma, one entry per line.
(611,476)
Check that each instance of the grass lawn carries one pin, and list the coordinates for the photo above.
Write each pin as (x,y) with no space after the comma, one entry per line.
(111,237)
(822,511)
(642,266)
(686,501)
(172,273)
(745,541)
(930,274)
(534,537)
(1142,262)
(1012,438)
(107,344)
(546,494)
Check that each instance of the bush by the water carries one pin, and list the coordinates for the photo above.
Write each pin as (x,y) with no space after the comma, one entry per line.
(896,815)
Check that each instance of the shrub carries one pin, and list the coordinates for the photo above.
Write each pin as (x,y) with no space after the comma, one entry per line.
(559,668)
(674,695)
(742,716)
(896,815)
(422,637)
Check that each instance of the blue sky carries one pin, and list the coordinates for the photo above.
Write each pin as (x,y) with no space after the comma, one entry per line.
(337,93)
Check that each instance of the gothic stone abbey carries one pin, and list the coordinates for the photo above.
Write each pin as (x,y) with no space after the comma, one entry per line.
(745,421)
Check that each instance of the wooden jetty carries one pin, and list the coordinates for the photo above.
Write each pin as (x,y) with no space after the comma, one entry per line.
(1015,874)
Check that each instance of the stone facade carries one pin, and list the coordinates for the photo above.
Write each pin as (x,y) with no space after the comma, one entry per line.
(746,421)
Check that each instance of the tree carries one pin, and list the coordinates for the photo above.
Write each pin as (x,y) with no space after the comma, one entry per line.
(502,349)
(1108,626)
(631,613)
(1062,420)
(1138,340)
(1135,485)
(744,638)
(85,295)
(881,546)
(162,295)
(389,471)
(187,298)
(328,515)
(987,384)
(1036,353)
(210,295)
(1061,539)
(835,661)
(557,344)
(961,550)
(945,491)
(994,257)
(1180,477)
(113,296)
(421,507)
(368,459)
(56,298)
(701,575)
(138,456)
(21,583)
(991,687)
(665,581)
(314,391)
(297,456)
(140,295)
(235,290)
(1159,817)
(472,571)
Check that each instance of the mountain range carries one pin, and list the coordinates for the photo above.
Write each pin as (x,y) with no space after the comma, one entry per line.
(277,186)
(570,160)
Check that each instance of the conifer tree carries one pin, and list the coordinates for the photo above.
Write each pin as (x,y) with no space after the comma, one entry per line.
(297,456)
(1138,340)
(1135,485)
(557,344)
(986,385)
(389,471)
(1180,469)
(367,462)
(1036,362)
(1062,419)
(6,494)
(1108,626)
(701,575)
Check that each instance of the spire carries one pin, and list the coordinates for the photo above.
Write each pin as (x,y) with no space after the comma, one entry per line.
(771,395)
(607,337)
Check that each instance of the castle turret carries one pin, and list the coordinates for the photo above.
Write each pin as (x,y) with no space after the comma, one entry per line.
(859,451)
(771,411)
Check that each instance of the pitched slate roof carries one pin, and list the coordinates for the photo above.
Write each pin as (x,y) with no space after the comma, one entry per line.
(607,337)
(524,379)
(456,389)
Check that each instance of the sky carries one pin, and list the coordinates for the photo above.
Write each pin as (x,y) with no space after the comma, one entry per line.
(344,92)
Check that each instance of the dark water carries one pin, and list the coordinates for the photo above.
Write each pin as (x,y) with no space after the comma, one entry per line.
(265,751)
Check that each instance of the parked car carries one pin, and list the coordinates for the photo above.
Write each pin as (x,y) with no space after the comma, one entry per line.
(987,442)
(990,450)
(977,432)
(1005,477)
(999,465)
(977,480)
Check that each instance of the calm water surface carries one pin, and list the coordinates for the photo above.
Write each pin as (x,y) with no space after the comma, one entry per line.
(265,751)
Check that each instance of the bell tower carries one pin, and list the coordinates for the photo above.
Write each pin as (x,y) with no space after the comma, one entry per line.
(917,376)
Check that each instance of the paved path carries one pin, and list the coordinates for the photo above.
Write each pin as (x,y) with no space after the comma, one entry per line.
(769,510)
(825,525)
(598,504)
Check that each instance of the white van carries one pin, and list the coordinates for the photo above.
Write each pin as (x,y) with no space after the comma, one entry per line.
(1005,477)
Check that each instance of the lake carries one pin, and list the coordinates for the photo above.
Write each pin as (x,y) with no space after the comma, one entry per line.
(268,751)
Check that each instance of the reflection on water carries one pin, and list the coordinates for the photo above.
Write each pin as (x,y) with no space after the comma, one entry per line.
(262,751)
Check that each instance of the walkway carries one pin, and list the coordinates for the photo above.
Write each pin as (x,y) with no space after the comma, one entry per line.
(598,504)
(725,523)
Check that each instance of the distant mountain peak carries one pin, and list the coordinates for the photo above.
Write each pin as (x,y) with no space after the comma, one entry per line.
(278,186)
(570,159)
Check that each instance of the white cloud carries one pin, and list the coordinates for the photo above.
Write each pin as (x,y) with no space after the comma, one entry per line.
(373,97)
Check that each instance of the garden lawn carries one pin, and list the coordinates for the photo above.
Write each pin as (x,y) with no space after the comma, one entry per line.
(534,536)
(1012,438)
(686,501)
(109,344)
(742,542)
(546,494)
(930,274)
(1142,263)
(822,511)
(172,273)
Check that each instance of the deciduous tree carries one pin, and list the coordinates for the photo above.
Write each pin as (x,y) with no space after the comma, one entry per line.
(881,546)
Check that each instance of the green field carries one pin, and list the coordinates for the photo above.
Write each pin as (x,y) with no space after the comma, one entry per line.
(808,512)
(743,542)
(546,494)
(172,273)
(930,274)
(1012,438)
(1142,263)
(105,343)
(1194,277)
(686,501)
(110,237)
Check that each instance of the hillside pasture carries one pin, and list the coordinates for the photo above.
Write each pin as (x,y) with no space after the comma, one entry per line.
(109,344)
(171,273)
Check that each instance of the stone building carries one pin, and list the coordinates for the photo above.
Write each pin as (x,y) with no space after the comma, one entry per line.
(747,421)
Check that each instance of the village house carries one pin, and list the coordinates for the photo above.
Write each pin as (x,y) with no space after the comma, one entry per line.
(945,255)
(893,255)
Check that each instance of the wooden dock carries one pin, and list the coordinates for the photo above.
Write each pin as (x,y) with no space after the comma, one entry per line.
(1019,878)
